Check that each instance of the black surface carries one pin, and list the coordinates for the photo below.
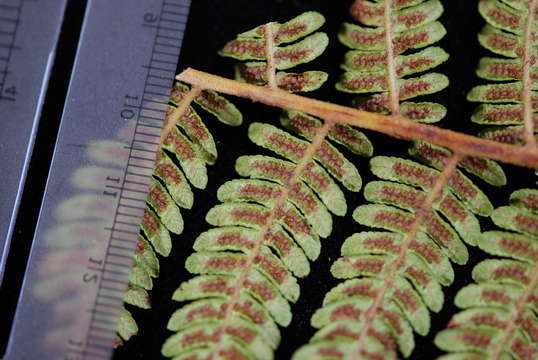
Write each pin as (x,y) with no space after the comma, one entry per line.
(211,24)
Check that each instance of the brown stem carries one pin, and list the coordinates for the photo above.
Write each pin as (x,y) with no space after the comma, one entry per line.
(528,61)
(270,55)
(178,112)
(392,77)
(510,326)
(399,261)
(396,126)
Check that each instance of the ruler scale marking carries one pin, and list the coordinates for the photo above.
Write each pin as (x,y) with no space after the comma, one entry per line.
(29,33)
(149,42)
(107,255)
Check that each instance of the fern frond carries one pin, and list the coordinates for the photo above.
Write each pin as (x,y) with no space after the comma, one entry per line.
(276,211)
(186,148)
(269,223)
(499,311)
(374,67)
(273,55)
(509,100)
(395,277)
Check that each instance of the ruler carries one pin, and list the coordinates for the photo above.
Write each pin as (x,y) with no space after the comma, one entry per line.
(88,224)
(29,32)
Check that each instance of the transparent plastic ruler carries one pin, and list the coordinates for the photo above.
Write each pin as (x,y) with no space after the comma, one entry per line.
(29,31)
(88,225)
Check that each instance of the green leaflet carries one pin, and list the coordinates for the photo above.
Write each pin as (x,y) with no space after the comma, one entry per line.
(526,198)
(497,41)
(180,163)
(343,134)
(137,296)
(204,310)
(220,286)
(211,102)
(189,157)
(265,167)
(384,242)
(127,327)
(174,180)
(346,314)
(241,333)
(498,69)
(503,16)
(503,103)
(250,45)
(302,52)
(506,134)
(515,246)
(492,303)
(415,174)
(254,216)
(365,61)
(414,27)
(359,83)
(227,263)
(290,31)
(402,295)
(518,219)
(146,258)
(486,169)
(293,149)
(265,192)
(498,114)
(238,238)
(497,93)
(393,219)
(164,207)
(409,198)
(138,276)
(268,226)
(414,14)
(415,271)
(372,39)
(256,73)
(329,350)
(156,233)
(367,257)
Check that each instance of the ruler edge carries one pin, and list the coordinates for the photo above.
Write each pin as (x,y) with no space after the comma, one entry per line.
(22,294)
(38,112)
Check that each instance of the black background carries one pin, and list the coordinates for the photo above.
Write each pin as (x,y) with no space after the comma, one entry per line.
(211,24)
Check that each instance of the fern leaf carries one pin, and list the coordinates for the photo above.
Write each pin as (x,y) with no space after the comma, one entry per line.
(508,108)
(499,311)
(252,45)
(419,263)
(435,156)
(127,327)
(241,239)
(281,171)
(156,233)
(137,296)
(269,223)
(293,149)
(370,68)
(345,135)
(415,174)
(395,277)
(186,148)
